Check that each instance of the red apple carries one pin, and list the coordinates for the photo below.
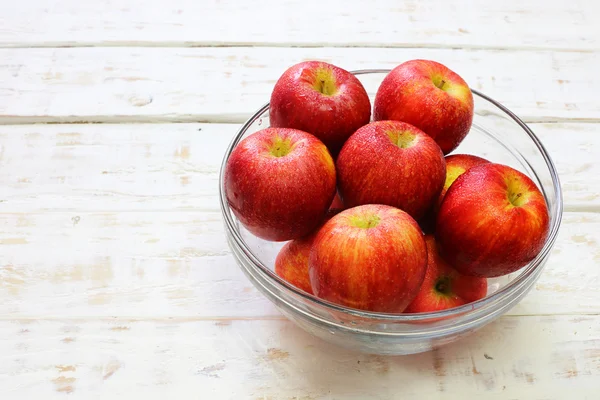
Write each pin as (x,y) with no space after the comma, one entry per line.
(291,262)
(443,286)
(392,163)
(370,257)
(322,99)
(493,221)
(431,97)
(456,165)
(280,182)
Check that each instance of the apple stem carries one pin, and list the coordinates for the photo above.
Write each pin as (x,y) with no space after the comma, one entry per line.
(514,197)
(322,86)
(442,84)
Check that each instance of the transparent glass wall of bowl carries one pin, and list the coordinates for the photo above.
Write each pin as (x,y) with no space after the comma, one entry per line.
(497,135)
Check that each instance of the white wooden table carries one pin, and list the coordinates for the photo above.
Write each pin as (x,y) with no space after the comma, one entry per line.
(115,278)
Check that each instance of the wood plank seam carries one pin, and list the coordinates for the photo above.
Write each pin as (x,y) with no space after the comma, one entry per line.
(300,45)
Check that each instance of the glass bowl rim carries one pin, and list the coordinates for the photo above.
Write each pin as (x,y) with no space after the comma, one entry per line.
(513,286)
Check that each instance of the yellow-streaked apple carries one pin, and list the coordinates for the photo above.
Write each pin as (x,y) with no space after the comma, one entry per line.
(370,257)
(443,286)
(280,182)
(430,96)
(456,165)
(391,163)
(291,262)
(322,99)
(493,221)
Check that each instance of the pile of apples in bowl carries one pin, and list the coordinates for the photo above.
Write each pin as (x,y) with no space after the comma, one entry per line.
(388,211)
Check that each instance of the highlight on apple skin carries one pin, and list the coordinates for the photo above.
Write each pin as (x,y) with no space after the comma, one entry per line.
(280,182)
(322,99)
(430,96)
(371,257)
(391,163)
(493,221)
(443,286)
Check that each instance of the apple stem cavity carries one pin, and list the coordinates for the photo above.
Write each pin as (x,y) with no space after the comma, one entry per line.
(404,140)
(280,147)
(324,82)
(515,198)
(365,221)
(401,139)
(443,285)
(326,89)
(439,82)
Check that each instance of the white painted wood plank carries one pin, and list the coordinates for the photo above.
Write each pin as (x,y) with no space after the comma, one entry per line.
(125,222)
(121,167)
(140,264)
(177,264)
(112,167)
(228,84)
(409,23)
(132,226)
(550,358)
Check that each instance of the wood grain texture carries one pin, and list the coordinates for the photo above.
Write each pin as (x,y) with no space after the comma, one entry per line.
(115,277)
(177,264)
(123,167)
(229,84)
(123,220)
(112,167)
(513,358)
(510,24)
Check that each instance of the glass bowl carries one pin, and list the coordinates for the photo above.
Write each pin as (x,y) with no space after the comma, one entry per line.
(497,135)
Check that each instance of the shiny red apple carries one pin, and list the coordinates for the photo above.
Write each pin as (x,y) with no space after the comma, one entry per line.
(291,262)
(322,99)
(371,257)
(280,182)
(430,96)
(456,165)
(392,163)
(493,221)
(443,286)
